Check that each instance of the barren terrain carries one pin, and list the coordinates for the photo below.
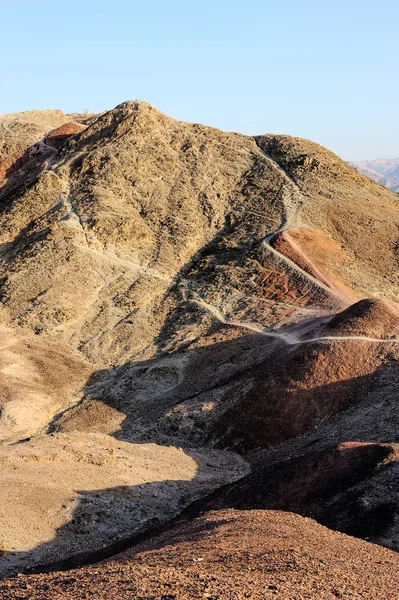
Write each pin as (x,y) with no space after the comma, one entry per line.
(229,555)
(193,315)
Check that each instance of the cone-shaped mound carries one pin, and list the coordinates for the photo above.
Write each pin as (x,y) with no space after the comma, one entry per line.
(325,370)
(368,317)
(349,487)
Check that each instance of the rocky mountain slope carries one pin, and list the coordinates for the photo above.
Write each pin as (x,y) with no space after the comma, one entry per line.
(384,171)
(185,310)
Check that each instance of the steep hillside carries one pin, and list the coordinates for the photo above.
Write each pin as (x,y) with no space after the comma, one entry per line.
(172,285)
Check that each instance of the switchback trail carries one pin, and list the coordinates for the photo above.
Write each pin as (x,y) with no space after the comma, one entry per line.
(293,200)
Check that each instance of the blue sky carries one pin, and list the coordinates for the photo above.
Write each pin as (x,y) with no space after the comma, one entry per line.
(324,70)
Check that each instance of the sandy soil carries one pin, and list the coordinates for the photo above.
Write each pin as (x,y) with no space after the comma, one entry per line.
(66,495)
(37,380)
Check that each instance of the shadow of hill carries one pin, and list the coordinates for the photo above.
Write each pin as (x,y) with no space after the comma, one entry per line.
(164,534)
(349,487)
(137,394)
(107,520)
(300,388)
(242,394)
(118,516)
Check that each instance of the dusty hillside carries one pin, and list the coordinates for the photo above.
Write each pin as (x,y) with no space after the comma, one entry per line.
(37,381)
(172,285)
(19,131)
(359,215)
(66,495)
(231,555)
(153,213)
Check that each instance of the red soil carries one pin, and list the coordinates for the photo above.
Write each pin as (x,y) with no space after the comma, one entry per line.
(229,555)
(300,386)
(8,165)
(58,137)
(316,254)
(369,317)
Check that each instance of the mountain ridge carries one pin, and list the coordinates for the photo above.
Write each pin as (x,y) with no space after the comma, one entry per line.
(211,292)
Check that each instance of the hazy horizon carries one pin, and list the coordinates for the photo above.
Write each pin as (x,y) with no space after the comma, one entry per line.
(321,72)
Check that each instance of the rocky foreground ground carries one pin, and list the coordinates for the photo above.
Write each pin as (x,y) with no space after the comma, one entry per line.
(229,555)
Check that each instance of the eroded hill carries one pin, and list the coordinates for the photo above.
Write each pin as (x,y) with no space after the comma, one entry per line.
(231,555)
(175,286)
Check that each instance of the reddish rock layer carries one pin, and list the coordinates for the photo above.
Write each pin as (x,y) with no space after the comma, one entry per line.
(302,384)
(316,254)
(6,165)
(58,137)
(369,317)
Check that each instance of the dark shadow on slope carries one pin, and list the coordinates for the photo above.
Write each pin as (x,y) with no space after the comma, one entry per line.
(329,486)
(350,487)
(23,174)
(243,394)
(140,393)
(295,392)
(108,521)
(116,509)
(323,486)
(305,485)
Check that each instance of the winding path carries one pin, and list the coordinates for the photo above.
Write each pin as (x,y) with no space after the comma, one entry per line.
(292,200)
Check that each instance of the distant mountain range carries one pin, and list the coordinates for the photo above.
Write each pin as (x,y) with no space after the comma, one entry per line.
(383,170)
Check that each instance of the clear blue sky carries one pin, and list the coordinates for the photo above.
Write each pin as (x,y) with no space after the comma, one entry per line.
(321,69)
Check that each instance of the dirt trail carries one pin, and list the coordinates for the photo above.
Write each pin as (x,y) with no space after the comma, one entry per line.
(292,197)
(290,219)
(293,201)
(291,339)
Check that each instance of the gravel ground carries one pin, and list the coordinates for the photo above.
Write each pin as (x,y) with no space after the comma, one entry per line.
(225,555)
